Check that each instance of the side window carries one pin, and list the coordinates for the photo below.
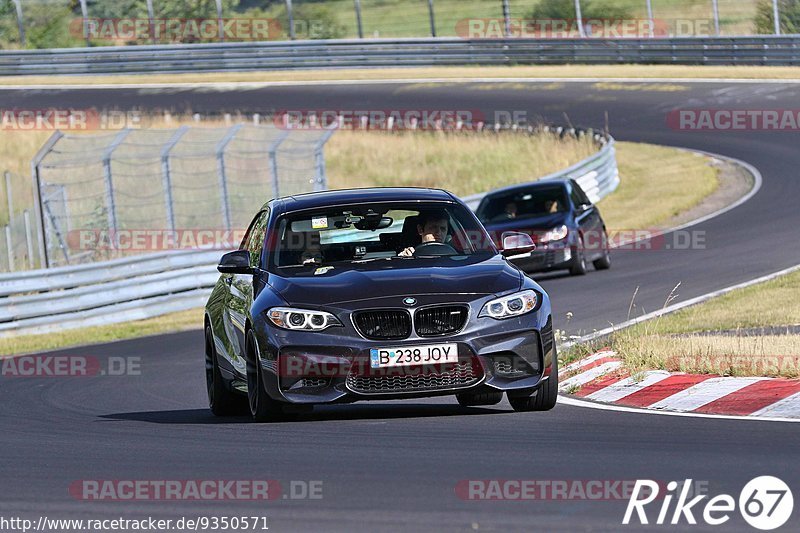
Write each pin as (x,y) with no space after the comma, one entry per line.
(254,240)
(578,196)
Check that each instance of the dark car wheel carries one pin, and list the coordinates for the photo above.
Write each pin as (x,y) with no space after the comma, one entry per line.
(545,398)
(604,262)
(483,398)
(262,407)
(578,267)
(221,401)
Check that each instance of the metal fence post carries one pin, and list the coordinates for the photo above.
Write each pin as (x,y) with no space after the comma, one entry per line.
(28,238)
(85,15)
(166,174)
(9,249)
(150,21)
(579,18)
(223,179)
(20,22)
(273,162)
(111,206)
(290,15)
(715,8)
(321,179)
(9,198)
(220,24)
(44,261)
(433,20)
(506,18)
(776,15)
(650,18)
(358,19)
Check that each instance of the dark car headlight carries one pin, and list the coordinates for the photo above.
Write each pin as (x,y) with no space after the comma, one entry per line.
(512,305)
(301,319)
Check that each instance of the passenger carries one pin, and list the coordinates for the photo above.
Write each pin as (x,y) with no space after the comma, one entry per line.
(551,206)
(312,253)
(432,227)
(511,210)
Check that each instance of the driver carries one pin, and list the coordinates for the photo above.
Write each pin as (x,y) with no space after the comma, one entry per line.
(432,227)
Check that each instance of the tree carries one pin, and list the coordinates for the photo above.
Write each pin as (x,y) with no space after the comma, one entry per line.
(789,16)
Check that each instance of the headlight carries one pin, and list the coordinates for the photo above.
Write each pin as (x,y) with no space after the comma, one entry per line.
(509,306)
(555,234)
(301,319)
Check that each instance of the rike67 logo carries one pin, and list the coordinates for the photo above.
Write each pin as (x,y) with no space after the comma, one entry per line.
(765,503)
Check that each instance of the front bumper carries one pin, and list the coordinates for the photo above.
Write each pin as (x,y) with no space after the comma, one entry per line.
(545,258)
(333,366)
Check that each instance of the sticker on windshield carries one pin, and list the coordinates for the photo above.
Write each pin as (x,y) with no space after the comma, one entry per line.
(322,270)
(319,222)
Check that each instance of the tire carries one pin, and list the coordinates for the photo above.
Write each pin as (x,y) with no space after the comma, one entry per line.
(221,400)
(604,263)
(262,407)
(483,398)
(545,398)
(578,267)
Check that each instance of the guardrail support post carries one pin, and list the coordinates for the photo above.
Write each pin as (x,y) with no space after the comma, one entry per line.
(433,20)
(776,15)
(20,22)
(358,19)
(28,238)
(290,15)
(223,178)
(10,249)
(166,175)
(273,162)
(506,18)
(8,197)
(715,7)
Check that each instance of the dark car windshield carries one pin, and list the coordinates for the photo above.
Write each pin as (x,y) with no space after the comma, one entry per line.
(535,201)
(359,234)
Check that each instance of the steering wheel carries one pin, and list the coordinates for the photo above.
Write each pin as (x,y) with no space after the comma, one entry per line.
(434,249)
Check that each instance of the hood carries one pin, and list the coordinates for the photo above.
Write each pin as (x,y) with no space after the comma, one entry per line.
(380,279)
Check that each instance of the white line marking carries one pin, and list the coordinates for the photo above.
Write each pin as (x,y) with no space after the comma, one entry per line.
(588,360)
(704,392)
(574,402)
(788,407)
(628,386)
(590,375)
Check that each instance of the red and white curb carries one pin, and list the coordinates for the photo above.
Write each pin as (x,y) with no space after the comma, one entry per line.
(602,378)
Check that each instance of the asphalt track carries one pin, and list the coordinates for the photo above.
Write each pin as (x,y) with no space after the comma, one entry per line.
(395,465)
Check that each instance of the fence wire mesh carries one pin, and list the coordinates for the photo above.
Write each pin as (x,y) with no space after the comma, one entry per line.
(109,195)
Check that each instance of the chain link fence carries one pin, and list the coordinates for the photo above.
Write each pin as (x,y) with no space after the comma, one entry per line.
(114,194)
(17,239)
(73,23)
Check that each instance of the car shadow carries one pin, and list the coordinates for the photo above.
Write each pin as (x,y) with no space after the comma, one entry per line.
(320,414)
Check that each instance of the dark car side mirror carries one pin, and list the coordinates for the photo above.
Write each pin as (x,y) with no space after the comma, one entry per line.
(515,243)
(236,262)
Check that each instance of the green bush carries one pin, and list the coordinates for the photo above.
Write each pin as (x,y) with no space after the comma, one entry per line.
(789,16)
(590,9)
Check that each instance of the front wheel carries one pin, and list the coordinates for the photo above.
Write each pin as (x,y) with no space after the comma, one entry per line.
(221,401)
(262,407)
(604,263)
(545,398)
(578,267)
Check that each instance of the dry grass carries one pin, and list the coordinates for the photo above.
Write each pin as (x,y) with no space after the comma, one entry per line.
(532,72)
(461,163)
(680,181)
(181,321)
(673,342)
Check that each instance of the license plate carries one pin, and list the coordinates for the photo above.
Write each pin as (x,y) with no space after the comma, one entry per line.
(413,355)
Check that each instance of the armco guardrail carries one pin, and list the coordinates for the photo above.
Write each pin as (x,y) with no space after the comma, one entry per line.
(38,301)
(764,50)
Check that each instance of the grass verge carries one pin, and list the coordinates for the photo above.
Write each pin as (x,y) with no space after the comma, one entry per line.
(718,337)
(531,72)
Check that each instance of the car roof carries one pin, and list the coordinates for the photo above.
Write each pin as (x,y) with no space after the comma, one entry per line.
(313,200)
(565,182)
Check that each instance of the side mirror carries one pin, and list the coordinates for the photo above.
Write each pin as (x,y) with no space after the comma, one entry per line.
(236,262)
(584,207)
(515,243)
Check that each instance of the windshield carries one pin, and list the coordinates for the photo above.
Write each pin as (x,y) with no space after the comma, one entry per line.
(373,232)
(534,202)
